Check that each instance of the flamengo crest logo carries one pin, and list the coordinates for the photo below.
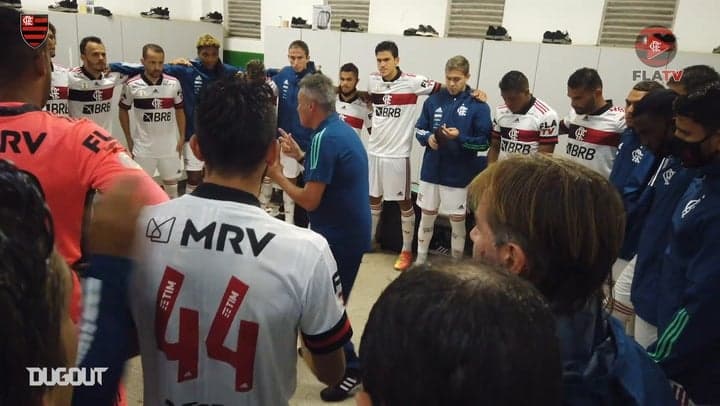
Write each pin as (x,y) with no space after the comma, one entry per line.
(34,29)
(637,156)
(580,133)
(387,99)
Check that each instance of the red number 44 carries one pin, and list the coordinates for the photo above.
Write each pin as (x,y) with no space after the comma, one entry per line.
(186,350)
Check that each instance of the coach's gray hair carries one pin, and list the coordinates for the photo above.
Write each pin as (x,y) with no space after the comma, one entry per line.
(320,89)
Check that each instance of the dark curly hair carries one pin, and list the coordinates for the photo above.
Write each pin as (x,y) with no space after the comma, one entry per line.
(31,294)
(236,122)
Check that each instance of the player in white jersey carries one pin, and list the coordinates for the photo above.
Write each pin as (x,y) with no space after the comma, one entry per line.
(524,124)
(222,288)
(350,106)
(91,89)
(159,134)
(58,99)
(593,125)
(394,97)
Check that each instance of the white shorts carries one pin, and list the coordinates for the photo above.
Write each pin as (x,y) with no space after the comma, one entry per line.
(389,178)
(645,333)
(169,168)
(192,163)
(623,282)
(291,167)
(450,200)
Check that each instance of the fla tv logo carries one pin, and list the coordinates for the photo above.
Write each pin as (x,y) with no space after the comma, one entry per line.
(34,29)
(656,47)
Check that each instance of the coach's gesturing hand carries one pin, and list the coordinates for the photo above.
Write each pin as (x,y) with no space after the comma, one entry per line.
(290,147)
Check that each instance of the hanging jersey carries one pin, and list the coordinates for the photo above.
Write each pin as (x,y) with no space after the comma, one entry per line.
(355,113)
(593,138)
(92,98)
(395,112)
(58,99)
(523,133)
(221,292)
(156,132)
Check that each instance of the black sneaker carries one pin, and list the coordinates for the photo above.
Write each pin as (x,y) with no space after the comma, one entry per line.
(66,6)
(300,22)
(490,33)
(501,34)
(213,17)
(102,11)
(410,32)
(354,26)
(430,31)
(343,390)
(716,50)
(11,3)
(548,37)
(422,31)
(344,25)
(156,12)
(561,37)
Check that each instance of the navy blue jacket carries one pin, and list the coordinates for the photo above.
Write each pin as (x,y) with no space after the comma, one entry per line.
(666,189)
(454,163)
(288,84)
(632,169)
(603,366)
(688,347)
(192,80)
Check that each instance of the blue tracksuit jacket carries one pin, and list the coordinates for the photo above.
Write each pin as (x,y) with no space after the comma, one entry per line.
(454,164)
(288,84)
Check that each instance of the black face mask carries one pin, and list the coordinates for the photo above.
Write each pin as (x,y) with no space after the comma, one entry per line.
(690,153)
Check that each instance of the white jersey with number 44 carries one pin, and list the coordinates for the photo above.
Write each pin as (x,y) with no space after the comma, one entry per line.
(219,295)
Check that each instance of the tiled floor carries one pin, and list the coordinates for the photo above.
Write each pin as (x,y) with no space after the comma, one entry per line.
(375,273)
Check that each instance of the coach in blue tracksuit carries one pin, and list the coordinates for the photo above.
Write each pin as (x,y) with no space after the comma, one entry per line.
(335,195)
(688,347)
(453,127)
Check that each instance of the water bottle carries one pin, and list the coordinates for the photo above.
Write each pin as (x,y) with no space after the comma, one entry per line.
(90,6)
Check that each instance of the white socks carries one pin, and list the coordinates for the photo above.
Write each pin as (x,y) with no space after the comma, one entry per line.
(457,241)
(289,206)
(407,218)
(265,192)
(425,233)
(375,211)
(189,188)
(171,190)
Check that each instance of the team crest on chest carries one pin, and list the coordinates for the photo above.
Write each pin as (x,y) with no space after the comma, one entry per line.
(462,111)
(580,133)
(637,156)
(387,99)
(513,134)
